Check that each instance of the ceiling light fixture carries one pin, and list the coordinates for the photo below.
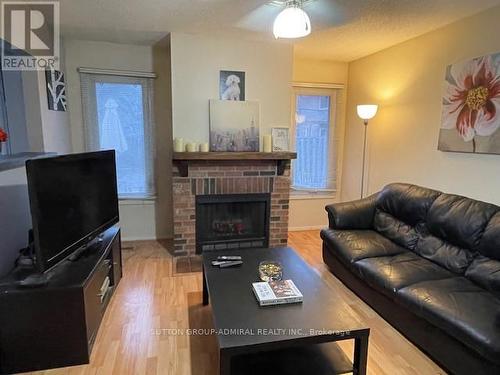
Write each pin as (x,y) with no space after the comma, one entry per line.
(292,22)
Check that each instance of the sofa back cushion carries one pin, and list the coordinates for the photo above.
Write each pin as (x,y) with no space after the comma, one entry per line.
(485,270)
(486,273)
(460,221)
(451,257)
(489,246)
(401,209)
(458,233)
(456,228)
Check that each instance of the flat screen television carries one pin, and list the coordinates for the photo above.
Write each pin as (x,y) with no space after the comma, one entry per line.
(73,198)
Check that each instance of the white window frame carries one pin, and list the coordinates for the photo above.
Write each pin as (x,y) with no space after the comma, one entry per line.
(336,92)
(89,77)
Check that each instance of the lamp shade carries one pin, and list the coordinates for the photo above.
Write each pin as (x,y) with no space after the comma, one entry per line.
(367,111)
(292,22)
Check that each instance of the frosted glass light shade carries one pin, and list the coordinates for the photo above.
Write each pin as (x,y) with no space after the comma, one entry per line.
(292,22)
(367,111)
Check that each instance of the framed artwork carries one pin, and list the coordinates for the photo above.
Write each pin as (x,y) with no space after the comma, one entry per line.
(234,125)
(471,106)
(281,139)
(231,85)
(56,90)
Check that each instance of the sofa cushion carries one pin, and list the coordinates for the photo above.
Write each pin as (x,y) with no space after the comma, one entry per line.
(408,203)
(352,245)
(395,229)
(401,210)
(461,308)
(458,220)
(391,273)
(486,273)
(453,258)
(489,245)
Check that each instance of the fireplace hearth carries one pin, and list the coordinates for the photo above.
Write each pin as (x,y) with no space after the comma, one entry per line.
(232,221)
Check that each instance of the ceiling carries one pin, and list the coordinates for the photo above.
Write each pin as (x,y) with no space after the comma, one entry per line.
(343,30)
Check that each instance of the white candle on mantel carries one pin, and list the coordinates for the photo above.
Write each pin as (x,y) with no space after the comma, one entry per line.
(179,145)
(268,140)
(203,147)
(191,147)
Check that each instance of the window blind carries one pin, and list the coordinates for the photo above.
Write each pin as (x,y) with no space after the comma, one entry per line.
(118,114)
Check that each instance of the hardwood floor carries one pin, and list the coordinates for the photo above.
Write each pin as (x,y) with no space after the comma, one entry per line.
(142,332)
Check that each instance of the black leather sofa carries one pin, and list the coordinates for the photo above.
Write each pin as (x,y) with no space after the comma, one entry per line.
(429,264)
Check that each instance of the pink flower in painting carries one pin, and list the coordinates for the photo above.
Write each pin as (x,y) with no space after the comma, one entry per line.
(472,99)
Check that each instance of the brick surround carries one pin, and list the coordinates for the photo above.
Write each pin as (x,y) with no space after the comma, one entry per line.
(228,177)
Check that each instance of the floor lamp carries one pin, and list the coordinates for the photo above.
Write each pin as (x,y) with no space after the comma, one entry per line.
(365,112)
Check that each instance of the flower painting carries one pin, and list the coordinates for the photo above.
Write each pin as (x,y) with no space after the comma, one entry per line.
(471,106)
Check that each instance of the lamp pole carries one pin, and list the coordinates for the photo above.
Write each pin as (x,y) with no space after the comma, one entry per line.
(364,160)
(365,112)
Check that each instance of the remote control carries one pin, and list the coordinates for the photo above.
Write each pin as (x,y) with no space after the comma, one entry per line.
(231,264)
(218,262)
(229,257)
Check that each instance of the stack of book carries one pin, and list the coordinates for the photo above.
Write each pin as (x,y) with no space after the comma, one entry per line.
(276,292)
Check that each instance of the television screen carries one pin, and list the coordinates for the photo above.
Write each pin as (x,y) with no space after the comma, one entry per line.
(73,198)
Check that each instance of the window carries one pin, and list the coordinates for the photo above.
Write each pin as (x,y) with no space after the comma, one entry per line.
(315,166)
(118,115)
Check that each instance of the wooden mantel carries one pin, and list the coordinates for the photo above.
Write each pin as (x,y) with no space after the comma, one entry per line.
(182,159)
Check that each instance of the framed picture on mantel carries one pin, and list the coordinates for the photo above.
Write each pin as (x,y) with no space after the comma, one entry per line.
(234,126)
(281,139)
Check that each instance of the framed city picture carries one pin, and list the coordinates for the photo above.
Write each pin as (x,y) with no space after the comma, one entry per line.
(232,85)
(281,139)
(234,125)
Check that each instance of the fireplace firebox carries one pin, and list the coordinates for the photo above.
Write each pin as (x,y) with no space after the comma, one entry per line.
(232,221)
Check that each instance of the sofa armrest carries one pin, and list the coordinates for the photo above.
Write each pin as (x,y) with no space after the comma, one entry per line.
(356,214)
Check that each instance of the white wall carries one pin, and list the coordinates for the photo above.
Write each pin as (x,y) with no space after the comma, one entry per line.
(196,62)
(137,218)
(407,81)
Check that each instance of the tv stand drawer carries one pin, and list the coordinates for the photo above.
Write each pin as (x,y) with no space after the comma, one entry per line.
(94,301)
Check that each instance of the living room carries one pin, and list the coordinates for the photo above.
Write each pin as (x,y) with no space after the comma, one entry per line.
(323,142)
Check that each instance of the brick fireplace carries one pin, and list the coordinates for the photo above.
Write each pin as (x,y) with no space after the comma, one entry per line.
(197,180)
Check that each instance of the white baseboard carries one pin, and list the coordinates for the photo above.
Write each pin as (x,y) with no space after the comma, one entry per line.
(139,238)
(312,227)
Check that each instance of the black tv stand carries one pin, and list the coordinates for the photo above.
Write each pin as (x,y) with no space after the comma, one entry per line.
(92,246)
(34,280)
(53,320)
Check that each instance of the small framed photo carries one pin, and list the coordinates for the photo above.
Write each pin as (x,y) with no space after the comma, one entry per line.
(281,139)
(232,85)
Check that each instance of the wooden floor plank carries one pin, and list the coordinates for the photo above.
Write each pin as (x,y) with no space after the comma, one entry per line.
(152,297)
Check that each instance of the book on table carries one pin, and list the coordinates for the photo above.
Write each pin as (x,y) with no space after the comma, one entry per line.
(276,292)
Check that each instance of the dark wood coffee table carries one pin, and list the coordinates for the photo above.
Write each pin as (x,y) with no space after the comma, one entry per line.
(285,339)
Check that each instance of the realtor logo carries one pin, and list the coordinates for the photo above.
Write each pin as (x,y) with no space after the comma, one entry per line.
(30,35)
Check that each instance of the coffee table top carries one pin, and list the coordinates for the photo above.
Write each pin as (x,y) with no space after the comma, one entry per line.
(322,316)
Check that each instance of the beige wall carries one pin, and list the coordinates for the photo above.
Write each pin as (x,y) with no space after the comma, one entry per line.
(138,218)
(319,71)
(406,81)
(196,62)
(309,213)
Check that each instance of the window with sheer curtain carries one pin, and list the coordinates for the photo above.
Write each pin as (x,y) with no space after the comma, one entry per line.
(314,170)
(118,115)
